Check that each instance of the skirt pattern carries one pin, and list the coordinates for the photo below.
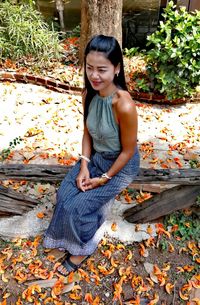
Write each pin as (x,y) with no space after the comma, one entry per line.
(78,215)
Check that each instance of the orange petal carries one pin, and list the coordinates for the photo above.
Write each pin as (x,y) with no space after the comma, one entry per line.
(89,298)
(169,287)
(184,297)
(170,248)
(155,300)
(114,227)
(196,300)
(129,256)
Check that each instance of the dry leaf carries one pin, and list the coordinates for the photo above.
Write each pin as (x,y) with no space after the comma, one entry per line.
(169,287)
(114,227)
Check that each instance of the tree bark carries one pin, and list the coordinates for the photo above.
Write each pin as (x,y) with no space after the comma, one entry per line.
(100,17)
(60,9)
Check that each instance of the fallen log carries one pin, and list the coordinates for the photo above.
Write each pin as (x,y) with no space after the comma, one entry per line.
(54,173)
(176,198)
(13,203)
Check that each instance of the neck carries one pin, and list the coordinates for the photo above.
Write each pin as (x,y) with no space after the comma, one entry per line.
(108,91)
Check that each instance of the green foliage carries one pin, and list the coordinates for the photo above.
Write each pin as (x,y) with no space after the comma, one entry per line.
(4,154)
(23,32)
(194,163)
(198,201)
(76,32)
(141,84)
(173,61)
(163,244)
(188,225)
(131,52)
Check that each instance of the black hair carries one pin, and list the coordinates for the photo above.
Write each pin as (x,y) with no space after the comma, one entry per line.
(112,51)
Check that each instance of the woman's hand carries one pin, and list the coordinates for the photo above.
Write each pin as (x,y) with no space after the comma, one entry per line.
(82,177)
(93,183)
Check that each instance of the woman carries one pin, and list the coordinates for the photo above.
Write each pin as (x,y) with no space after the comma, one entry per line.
(109,160)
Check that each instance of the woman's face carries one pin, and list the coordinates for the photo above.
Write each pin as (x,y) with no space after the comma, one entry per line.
(100,71)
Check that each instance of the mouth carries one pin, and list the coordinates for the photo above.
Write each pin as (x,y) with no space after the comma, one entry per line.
(95,83)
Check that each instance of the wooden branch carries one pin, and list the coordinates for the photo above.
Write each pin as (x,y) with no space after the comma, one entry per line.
(176,198)
(54,173)
(14,203)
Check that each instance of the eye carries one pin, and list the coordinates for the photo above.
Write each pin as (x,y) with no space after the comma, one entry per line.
(102,70)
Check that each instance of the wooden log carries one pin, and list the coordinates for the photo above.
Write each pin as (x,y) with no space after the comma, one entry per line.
(178,197)
(33,172)
(151,188)
(13,203)
(54,173)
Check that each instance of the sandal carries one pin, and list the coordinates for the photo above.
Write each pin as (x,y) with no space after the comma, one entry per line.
(67,266)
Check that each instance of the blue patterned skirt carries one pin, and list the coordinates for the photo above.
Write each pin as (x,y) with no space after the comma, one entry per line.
(78,215)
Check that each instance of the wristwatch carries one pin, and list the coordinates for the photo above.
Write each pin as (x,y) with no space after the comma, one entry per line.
(106,176)
(102,178)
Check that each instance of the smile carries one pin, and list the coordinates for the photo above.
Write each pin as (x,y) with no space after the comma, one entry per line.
(95,83)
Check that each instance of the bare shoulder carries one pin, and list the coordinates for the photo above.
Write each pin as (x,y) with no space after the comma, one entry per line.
(124,102)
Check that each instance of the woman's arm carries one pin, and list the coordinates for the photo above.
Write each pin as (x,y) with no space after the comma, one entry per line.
(86,140)
(86,152)
(86,146)
(128,123)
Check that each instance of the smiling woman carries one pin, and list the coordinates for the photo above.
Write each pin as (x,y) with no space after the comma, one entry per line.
(109,160)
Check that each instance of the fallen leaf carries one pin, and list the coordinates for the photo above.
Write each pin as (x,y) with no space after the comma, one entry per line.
(169,287)
(40,215)
(155,300)
(143,251)
(114,227)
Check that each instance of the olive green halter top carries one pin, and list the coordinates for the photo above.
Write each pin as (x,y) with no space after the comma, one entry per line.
(102,125)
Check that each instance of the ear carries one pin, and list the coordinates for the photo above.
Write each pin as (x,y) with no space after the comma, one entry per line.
(117,69)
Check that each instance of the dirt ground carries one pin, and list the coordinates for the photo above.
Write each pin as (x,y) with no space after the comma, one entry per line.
(162,270)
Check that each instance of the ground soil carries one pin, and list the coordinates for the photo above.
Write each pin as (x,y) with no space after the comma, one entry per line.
(101,273)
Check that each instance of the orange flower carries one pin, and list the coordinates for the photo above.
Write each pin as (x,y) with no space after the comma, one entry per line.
(89,298)
(128,198)
(117,292)
(114,227)
(155,300)
(169,287)
(161,230)
(40,215)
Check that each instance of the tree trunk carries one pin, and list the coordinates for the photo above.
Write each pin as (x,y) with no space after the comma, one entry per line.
(60,9)
(100,17)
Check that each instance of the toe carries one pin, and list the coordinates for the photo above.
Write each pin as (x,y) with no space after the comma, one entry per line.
(62,270)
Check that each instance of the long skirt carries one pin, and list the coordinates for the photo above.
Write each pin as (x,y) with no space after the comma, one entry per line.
(79,215)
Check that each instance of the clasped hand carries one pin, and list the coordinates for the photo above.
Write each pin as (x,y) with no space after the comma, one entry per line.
(84,182)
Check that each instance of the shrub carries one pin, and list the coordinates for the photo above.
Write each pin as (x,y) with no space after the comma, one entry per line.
(23,32)
(173,62)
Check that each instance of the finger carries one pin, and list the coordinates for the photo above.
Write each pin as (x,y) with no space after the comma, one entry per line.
(81,188)
(81,185)
(88,187)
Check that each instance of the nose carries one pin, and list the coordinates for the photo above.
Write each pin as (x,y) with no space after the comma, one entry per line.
(94,74)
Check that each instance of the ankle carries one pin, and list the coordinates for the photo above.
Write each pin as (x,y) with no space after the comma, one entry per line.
(77,259)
